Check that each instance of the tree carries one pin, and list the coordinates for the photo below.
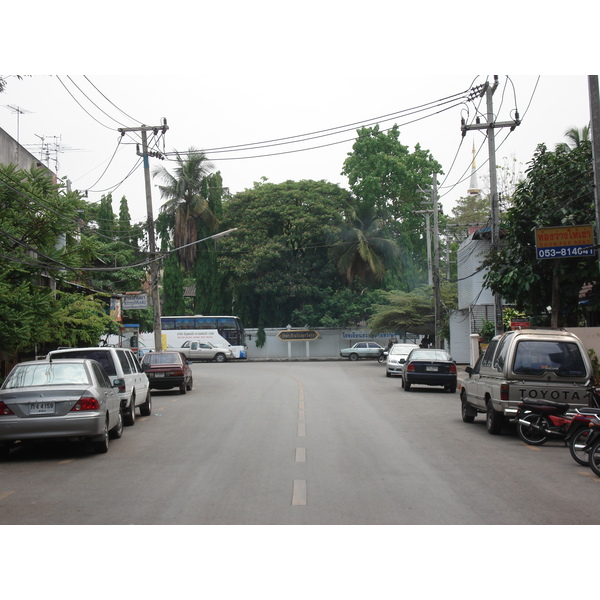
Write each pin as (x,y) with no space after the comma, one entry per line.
(40,251)
(365,249)
(185,200)
(278,259)
(558,190)
(576,137)
(386,175)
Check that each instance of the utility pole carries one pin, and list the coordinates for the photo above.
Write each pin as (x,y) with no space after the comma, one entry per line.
(433,266)
(436,264)
(154,270)
(490,126)
(595,127)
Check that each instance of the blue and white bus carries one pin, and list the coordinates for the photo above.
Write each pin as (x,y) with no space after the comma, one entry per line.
(219,330)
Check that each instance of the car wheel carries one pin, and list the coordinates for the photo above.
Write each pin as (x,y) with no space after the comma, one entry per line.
(452,388)
(405,385)
(464,409)
(101,446)
(5,451)
(183,388)
(117,431)
(494,420)
(220,358)
(146,408)
(130,414)
(388,374)
(190,384)
(353,356)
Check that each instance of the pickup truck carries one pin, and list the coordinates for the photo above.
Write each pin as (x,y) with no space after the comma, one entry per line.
(539,364)
(205,351)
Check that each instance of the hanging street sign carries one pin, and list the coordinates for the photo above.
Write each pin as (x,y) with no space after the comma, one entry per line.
(565,242)
(296,335)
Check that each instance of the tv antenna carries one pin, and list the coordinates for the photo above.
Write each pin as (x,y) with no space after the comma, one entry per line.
(18,111)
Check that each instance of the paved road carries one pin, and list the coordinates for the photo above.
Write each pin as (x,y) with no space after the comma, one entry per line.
(300,443)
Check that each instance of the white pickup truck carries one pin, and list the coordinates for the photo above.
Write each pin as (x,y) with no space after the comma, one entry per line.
(205,351)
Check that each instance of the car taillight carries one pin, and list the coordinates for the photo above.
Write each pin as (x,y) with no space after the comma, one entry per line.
(4,410)
(453,369)
(178,373)
(411,367)
(504,391)
(86,403)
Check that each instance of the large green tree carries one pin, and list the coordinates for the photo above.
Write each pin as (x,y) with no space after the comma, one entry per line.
(383,173)
(557,191)
(278,260)
(39,234)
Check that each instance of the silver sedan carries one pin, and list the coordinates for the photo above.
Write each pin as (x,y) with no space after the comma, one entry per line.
(68,398)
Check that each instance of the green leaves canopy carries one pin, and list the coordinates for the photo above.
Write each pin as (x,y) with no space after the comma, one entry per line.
(558,190)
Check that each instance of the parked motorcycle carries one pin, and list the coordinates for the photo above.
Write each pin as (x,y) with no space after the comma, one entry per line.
(539,420)
(578,433)
(588,443)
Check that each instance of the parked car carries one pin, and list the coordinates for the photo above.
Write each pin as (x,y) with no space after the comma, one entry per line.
(168,369)
(72,399)
(396,357)
(206,351)
(122,364)
(527,363)
(362,350)
(429,366)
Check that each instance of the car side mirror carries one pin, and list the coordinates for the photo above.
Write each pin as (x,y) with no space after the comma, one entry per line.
(402,360)
(118,383)
(469,370)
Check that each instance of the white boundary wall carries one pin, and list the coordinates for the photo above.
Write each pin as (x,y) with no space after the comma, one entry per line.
(327,345)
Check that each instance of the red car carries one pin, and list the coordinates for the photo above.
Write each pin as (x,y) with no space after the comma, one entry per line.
(168,369)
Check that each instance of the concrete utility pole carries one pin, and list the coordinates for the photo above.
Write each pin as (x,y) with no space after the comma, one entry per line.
(154,270)
(490,126)
(434,269)
(595,127)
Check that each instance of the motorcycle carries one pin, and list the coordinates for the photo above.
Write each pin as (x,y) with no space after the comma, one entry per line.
(539,420)
(590,446)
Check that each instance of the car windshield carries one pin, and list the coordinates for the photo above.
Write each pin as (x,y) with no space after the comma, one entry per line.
(43,374)
(428,354)
(161,358)
(535,357)
(401,349)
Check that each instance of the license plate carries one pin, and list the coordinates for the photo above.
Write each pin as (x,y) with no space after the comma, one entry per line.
(431,368)
(41,408)
(159,374)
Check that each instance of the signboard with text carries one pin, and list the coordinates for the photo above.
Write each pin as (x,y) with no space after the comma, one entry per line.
(565,242)
(296,335)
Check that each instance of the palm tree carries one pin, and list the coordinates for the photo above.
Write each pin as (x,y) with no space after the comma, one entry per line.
(576,137)
(186,202)
(364,249)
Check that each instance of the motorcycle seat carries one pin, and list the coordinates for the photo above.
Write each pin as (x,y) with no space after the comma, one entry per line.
(549,404)
(589,411)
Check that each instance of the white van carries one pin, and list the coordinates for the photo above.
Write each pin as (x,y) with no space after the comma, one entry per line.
(119,363)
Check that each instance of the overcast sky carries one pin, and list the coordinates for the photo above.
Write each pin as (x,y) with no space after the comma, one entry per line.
(75,119)
(239,73)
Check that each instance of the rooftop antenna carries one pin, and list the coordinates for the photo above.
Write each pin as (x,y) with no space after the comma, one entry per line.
(18,111)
